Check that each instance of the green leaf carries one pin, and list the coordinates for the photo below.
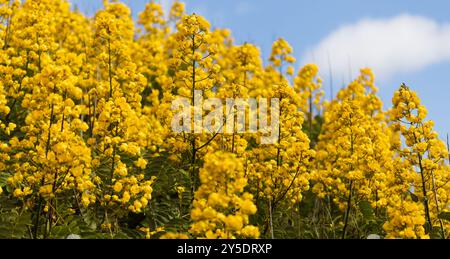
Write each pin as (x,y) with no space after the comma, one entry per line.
(444,216)
(3,179)
(14,224)
(89,219)
(183,172)
(366,209)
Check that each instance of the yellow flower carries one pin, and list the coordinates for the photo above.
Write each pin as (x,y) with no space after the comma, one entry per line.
(19,193)
(247,207)
(117,186)
(144,201)
(126,197)
(250,232)
(234,223)
(220,205)
(141,163)
(46,189)
(85,200)
(137,205)
(146,231)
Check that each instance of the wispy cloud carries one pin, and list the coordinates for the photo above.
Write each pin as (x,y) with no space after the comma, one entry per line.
(402,44)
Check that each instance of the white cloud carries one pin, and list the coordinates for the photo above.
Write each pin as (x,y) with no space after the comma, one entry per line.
(402,44)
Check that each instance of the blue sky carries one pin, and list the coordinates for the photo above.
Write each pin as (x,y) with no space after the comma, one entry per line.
(403,40)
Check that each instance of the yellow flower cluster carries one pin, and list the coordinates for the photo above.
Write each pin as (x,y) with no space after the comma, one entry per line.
(424,158)
(221,208)
(309,85)
(70,98)
(406,220)
(280,172)
(353,152)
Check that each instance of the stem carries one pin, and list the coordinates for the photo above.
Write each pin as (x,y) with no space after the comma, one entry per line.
(50,212)
(77,202)
(193,147)
(114,156)
(38,215)
(347,212)
(271,219)
(299,218)
(279,137)
(271,208)
(297,171)
(279,117)
(89,118)
(94,116)
(234,126)
(47,148)
(350,189)
(110,69)
(232,139)
(424,191)
(63,116)
(39,54)
(441,224)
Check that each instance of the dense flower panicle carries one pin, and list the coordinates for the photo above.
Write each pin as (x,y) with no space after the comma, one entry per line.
(194,64)
(279,173)
(424,156)
(120,130)
(281,170)
(48,158)
(281,53)
(196,51)
(406,217)
(68,123)
(152,18)
(309,85)
(221,207)
(354,159)
(406,220)
(176,11)
(242,70)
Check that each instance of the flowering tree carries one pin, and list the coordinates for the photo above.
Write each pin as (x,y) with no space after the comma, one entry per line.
(89,139)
